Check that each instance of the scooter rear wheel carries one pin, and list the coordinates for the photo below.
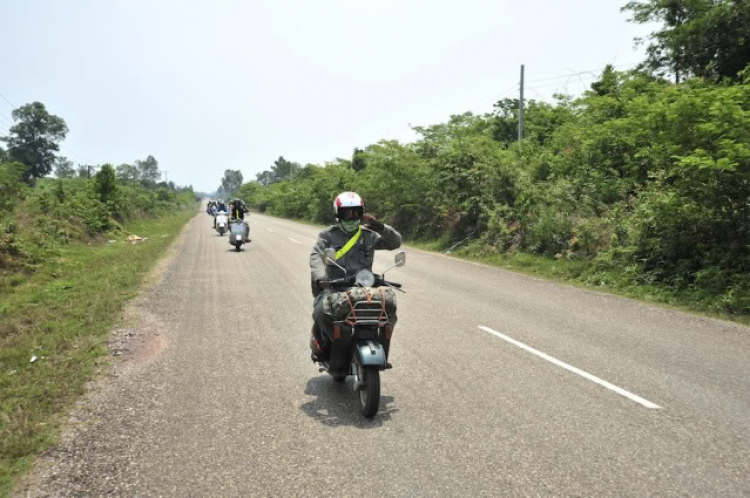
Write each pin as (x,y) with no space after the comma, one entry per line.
(369,393)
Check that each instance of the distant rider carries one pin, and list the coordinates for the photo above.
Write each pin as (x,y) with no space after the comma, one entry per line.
(356,237)
(220,208)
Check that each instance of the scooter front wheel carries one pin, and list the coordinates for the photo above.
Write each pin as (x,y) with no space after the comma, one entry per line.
(369,392)
(237,246)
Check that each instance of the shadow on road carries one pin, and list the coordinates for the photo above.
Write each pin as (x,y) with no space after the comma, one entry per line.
(337,404)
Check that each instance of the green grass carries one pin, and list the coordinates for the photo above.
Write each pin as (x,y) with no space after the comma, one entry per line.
(62,313)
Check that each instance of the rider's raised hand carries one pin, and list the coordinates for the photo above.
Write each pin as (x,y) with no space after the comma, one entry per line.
(372,222)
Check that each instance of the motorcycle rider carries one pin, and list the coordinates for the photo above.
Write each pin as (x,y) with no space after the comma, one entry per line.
(220,208)
(237,212)
(356,237)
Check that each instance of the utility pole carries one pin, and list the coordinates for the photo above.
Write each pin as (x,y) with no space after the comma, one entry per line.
(166,176)
(520,110)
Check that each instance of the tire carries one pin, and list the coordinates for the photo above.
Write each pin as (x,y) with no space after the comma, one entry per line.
(369,395)
(237,246)
(339,378)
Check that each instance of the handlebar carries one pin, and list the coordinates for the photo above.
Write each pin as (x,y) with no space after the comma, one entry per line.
(350,280)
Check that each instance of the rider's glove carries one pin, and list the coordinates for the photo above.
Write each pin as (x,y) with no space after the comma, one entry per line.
(372,223)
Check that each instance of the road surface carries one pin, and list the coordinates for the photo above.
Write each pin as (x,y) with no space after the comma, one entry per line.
(503,385)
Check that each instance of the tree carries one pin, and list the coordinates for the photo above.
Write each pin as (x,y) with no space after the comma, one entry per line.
(127,173)
(283,169)
(148,170)
(265,178)
(704,38)
(64,168)
(86,170)
(231,182)
(34,140)
(105,183)
(359,162)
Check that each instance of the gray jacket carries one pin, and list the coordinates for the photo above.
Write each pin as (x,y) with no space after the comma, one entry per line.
(359,257)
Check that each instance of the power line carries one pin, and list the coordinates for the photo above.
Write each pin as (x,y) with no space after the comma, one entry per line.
(581,75)
(8,101)
(496,98)
(565,83)
(590,71)
(77,155)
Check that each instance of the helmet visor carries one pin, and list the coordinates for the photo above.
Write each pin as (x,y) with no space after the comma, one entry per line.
(350,213)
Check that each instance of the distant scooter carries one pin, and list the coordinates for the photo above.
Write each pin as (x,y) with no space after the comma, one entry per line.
(222,223)
(239,233)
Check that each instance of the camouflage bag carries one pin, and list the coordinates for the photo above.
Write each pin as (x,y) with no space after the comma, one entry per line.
(339,304)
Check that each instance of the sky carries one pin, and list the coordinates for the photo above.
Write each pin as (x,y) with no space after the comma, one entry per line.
(206,86)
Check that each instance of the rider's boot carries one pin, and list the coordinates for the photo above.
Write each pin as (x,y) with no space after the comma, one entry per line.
(316,349)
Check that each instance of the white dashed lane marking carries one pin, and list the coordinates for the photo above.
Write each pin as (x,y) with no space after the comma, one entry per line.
(570,368)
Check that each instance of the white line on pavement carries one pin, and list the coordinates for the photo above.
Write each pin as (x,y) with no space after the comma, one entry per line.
(294,240)
(573,369)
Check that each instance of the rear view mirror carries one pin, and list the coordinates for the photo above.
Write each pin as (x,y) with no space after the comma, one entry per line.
(400,261)
(330,255)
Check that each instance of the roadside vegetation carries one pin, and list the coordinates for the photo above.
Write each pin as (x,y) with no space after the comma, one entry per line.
(641,185)
(66,271)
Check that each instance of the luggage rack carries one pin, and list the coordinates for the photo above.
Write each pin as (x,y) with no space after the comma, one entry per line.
(367,313)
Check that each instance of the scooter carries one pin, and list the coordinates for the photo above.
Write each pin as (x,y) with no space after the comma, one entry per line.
(362,329)
(222,223)
(239,233)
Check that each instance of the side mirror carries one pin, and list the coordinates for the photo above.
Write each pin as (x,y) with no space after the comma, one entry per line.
(330,255)
(400,261)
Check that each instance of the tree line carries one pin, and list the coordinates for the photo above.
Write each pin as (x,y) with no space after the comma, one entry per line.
(38,214)
(646,174)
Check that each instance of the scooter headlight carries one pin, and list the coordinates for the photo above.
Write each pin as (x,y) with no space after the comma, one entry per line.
(365,278)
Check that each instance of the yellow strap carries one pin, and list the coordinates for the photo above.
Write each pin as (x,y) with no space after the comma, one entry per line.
(341,252)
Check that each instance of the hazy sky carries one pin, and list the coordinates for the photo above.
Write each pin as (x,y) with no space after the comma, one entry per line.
(209,85)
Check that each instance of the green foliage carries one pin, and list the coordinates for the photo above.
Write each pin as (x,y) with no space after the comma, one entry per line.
(646,180)
(704,38)
(231,182)
(11,184)
(37,222)
(127,173)
(64,168)
(280,171)
(148,171)
(105,184)
(33,141)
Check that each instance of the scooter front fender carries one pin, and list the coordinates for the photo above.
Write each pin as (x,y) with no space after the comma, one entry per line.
(370,353)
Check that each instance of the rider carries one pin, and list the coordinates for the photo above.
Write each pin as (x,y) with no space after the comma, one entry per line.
(220,208)
(237,212)
(356,237)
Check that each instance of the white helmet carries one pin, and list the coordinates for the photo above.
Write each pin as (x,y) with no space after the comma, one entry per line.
(347,201)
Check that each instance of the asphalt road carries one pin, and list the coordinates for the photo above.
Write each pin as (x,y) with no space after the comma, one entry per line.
(503,385)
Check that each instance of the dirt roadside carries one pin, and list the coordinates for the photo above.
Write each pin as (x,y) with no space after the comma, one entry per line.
(87,434)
